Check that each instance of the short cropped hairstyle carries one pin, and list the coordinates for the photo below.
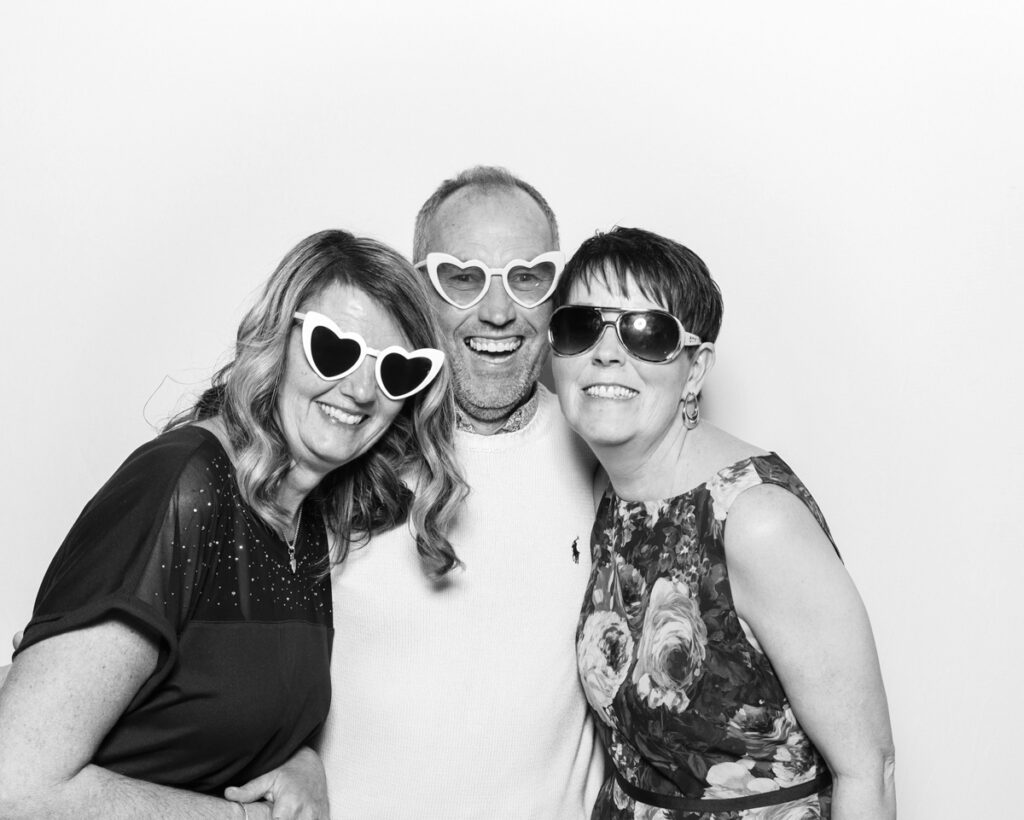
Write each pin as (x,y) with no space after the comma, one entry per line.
(486,178)
(663,270)
(369,494)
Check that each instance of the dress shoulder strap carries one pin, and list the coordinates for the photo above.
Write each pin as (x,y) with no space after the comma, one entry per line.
(728,484)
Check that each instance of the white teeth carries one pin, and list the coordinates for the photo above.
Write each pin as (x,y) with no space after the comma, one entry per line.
(339,416)
(493,345)
(610,391)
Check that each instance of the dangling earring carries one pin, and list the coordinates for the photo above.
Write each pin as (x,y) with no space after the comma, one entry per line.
(691,411)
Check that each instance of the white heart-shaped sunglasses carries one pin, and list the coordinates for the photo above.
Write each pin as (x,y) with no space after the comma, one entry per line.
(333,354)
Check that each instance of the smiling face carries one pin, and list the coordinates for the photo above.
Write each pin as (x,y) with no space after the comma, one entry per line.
(496,348)
(329,423)
(611,398)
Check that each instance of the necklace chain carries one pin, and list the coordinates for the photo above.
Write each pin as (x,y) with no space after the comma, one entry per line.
(295,540)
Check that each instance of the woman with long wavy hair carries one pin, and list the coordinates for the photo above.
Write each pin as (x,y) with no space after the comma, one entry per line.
(181,638)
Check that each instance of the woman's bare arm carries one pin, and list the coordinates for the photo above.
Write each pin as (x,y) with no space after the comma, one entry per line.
(792,590)
(6,670)
(62,697)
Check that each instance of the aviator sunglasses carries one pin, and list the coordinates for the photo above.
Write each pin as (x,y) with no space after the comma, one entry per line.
(649,335)
(334,354)
(463,284)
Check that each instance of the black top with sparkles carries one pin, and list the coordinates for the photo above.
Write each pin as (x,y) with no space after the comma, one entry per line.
(243,676)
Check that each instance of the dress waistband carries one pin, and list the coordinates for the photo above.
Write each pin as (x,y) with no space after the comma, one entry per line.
(698,804)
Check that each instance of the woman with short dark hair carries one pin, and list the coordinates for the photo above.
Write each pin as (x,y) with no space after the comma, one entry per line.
(722,645)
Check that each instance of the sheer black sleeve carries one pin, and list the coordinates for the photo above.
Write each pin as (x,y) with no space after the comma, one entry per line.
(136,550)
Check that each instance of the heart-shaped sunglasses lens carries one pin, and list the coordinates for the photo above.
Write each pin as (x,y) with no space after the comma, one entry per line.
(402,376)
(333,357)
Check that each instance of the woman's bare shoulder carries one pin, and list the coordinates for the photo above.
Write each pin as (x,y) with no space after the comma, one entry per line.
(714,449)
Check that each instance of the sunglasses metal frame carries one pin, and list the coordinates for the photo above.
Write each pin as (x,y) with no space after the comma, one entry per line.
(433,259)
(686,339)
(310,320)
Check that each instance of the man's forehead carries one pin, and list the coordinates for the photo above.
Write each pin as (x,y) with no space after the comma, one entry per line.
(493,225)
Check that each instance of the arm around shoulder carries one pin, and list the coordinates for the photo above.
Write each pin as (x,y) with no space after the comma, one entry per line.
(297,789)
(792,590)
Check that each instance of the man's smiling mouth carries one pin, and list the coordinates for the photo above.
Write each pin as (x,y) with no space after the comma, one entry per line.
(494,347)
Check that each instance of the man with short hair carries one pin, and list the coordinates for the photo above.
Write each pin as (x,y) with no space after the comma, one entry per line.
(461,699)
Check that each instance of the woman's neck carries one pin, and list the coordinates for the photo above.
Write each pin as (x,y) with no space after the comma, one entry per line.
(295,486)
(650,471)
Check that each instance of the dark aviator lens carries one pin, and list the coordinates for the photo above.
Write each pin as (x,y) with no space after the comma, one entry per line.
(332,356)
(575,329)
(649,335)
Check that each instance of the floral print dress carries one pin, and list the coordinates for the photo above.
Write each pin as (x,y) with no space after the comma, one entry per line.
(694,718)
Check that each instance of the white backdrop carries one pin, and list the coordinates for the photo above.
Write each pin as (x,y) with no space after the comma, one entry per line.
(851,175)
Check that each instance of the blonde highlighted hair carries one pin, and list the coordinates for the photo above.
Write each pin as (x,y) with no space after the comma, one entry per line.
(369,494)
